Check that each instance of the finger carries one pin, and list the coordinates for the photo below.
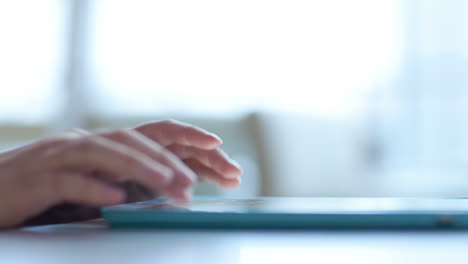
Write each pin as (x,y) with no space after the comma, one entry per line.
(206,173)
(181,192)
(215,159)
(73,133)
(170,132)
(183,177)
(81,188)
(116,160)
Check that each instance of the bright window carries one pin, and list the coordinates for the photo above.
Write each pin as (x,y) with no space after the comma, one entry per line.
(228,57)
(31,53)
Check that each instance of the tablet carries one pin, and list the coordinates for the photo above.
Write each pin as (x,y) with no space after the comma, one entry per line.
(292,213)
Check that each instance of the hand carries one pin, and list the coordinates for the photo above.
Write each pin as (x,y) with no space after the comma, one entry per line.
(197,148)
(82,168)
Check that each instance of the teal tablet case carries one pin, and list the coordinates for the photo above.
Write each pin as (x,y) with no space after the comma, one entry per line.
(410,213)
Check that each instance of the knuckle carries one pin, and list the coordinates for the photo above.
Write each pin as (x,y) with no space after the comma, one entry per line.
(131,133)
(170,122)
(120,133)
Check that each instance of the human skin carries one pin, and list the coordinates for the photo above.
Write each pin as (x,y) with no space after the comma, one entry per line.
(78,167)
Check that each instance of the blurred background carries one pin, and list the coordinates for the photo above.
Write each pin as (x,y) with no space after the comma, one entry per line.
(312,98)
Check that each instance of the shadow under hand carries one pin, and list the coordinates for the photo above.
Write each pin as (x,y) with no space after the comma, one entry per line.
(69,212)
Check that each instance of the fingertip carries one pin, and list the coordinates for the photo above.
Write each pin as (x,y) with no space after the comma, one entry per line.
(183,195)
(210,144)
(232,183)
(111,196)
(187,195)
(210,141)
(232,172)
(216,137)
(182,202)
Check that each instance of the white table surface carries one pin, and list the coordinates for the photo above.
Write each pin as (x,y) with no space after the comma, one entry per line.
(93,242)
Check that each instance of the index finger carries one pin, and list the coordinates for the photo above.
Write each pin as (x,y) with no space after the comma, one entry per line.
(169,132)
